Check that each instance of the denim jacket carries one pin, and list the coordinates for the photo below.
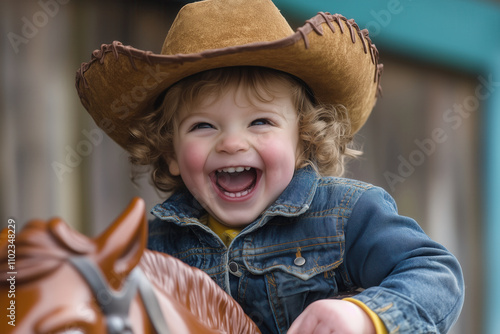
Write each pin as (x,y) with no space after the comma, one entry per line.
(322,238)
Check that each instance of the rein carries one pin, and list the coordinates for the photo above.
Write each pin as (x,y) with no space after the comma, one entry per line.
(115,305)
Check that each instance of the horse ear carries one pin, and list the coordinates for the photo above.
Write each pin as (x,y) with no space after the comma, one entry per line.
(121,246)
(69,237)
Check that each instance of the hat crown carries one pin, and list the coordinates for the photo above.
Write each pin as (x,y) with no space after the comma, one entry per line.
(217,24)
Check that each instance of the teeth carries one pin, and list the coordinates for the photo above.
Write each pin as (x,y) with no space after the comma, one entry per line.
(239,194)
(233,169)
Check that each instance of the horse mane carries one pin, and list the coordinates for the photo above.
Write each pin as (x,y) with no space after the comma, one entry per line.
(41,247)
(193,288)
(173,276)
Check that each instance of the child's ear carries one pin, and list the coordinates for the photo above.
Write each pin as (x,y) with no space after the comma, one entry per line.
(173,167)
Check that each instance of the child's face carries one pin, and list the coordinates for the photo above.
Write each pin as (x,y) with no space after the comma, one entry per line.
(236,154)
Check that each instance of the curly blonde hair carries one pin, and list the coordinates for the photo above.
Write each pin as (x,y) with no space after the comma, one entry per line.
(324,130)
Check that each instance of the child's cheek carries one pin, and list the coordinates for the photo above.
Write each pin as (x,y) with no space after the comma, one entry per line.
(277,149)
(279,159)
(194,158)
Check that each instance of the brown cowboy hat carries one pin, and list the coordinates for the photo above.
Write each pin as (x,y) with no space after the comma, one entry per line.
(329,53)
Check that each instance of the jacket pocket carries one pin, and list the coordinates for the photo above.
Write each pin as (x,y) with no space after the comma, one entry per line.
(302,258)
(296,273)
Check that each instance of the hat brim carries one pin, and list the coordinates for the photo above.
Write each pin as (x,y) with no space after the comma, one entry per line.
(329,53)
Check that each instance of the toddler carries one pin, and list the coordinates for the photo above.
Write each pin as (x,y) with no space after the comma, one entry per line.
(247,124)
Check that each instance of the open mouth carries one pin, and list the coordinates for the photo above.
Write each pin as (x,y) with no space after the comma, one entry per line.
(235,182)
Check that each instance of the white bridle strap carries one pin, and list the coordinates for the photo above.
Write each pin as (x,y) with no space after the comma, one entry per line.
(115,305)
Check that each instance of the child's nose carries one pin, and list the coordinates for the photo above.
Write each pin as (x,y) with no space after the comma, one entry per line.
(232,143)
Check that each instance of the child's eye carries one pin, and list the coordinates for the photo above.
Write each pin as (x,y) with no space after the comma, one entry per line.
(261,121)
(201,125)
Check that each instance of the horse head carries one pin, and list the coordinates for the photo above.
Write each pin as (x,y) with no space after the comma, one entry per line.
(63,282)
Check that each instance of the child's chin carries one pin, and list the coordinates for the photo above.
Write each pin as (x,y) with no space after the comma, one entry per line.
(240,221)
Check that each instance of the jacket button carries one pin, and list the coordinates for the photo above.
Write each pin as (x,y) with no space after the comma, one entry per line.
(299,261)
(234,269)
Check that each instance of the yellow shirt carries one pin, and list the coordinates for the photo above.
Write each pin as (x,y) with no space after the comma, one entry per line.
(227,234)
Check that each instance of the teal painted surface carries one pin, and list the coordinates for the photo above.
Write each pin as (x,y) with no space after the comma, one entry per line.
(459,34)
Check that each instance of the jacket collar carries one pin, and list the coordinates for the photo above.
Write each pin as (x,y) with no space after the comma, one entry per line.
(182,207)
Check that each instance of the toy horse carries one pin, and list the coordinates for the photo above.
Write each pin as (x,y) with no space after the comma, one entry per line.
(63,282)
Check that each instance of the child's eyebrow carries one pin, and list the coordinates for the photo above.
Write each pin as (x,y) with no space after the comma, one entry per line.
(186,116)
(275,111)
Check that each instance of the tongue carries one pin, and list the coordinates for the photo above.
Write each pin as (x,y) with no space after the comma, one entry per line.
(236,182)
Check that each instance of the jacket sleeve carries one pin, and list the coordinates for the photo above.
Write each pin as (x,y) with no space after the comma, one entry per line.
(414,284)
